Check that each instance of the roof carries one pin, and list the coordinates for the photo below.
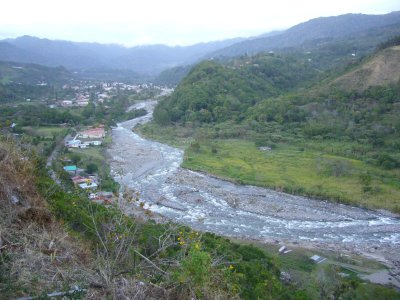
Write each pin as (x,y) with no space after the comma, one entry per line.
(99,131)
(70,168)
(91,185)
(317,259)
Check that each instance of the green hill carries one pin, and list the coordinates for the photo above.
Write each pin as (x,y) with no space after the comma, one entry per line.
(217,92)
(32,74)
(20,81)
(332,136)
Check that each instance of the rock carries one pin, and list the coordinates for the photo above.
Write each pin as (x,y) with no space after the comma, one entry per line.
(14,199)
(285,277)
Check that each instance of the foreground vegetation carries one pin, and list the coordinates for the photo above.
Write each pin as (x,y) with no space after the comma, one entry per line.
(108,255)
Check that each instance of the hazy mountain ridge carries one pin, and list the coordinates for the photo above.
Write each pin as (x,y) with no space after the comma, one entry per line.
(313,30)
(153,59)
(150,59)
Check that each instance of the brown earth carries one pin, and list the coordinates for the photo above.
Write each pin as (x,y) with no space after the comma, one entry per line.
(381,69)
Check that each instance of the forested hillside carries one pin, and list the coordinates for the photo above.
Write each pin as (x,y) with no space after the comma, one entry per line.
(341,129)
(216,92)
(11,72)
(23,81)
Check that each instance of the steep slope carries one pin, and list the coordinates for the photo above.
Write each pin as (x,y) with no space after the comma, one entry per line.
(381,69)
(32,243)
(172,76)
(215,92)
(317,30)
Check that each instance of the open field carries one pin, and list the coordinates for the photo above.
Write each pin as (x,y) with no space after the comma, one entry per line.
(298,171)
(317,169)
(46,131)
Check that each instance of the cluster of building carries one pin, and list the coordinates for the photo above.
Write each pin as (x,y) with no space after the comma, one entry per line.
(88,137)
(125,87)
(89,183)
(80,102)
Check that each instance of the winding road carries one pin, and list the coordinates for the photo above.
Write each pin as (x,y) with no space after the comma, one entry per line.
(210,204)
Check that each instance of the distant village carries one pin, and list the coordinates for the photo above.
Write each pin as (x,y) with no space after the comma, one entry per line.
(83,96)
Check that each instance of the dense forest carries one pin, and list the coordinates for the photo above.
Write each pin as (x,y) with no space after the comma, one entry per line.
(216,92)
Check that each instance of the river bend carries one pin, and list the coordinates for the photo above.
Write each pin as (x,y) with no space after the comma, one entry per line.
(210,204)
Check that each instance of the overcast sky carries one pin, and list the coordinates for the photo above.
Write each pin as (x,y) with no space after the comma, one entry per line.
(172,22)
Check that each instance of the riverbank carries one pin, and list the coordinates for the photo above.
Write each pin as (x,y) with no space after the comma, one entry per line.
(213,205)
(299,169)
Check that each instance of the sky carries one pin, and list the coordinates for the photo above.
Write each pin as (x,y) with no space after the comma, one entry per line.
(170,22)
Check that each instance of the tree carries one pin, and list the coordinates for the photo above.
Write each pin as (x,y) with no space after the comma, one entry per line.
(91,168)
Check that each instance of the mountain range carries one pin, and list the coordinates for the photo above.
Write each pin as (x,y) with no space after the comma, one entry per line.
(148,60)
(357,33)
(316,30)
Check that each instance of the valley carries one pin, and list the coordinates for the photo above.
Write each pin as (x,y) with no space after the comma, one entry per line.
(257,167)
(210,204)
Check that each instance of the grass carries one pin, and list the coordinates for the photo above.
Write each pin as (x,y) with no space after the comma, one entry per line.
(92,154)
(298,171)
(179,137)
(45,131)
(320,169)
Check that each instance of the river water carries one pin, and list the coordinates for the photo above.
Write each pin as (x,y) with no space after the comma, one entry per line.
(210,204)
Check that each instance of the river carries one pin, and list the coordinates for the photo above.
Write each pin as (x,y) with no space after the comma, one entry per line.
(209,204)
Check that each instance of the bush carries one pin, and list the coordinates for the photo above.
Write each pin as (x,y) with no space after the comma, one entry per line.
(91,168)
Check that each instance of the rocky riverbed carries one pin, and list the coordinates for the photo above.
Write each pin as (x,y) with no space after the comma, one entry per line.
(210,204)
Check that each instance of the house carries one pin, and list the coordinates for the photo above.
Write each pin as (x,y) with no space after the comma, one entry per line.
(79,179)
(93,142)
(266,148)
(88,185)
(72,143)
(108,195)
(102,197)
(93,133)
(317,259)
(71,169)
(82,103)
(66,103)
